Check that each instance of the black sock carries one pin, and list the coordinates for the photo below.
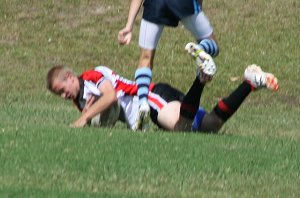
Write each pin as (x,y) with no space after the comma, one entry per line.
(190,103)
(227,106)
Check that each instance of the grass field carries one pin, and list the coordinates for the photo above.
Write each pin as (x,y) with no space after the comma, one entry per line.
(257,153)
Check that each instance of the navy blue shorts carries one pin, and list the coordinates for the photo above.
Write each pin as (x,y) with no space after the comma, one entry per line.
(169,12)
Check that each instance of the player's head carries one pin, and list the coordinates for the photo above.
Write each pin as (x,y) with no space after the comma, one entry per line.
(63,82)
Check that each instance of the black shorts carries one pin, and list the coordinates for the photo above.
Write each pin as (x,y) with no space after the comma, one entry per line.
(169,94)
(169,12)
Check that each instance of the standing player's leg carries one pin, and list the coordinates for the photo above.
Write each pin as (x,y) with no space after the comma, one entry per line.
(199,25)
(148,39)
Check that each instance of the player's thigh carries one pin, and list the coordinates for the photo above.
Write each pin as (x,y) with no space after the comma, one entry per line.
(149,35)
(199,25)
(169,115)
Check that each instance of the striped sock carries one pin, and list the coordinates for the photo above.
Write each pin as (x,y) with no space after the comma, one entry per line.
(209,46)
(143,77)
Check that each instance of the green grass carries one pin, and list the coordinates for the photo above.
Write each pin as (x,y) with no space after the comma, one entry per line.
(255,155)
(62,161)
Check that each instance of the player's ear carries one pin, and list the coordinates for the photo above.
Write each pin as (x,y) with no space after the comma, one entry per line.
(68,75)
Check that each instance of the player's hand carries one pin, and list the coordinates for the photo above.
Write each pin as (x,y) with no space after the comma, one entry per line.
(79,123)
(124,36)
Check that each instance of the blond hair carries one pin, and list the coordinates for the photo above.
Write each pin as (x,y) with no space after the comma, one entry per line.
(57,72)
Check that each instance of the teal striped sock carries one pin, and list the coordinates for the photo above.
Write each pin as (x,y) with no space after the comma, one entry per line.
(209,46)
(143,77)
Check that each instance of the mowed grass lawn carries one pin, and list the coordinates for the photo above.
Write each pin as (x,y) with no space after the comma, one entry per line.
(256,154)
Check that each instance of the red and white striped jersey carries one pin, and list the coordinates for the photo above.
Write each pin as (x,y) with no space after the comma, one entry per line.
(121,84)
(126,92)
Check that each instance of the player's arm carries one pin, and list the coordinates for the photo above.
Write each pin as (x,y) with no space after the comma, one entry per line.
(108,97)
(133,11)
(124,36)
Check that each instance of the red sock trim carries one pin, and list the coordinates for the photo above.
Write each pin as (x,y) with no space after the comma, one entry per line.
(224,107)
(252,87)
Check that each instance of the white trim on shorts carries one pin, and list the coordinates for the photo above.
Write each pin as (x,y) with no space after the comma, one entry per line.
(156,101)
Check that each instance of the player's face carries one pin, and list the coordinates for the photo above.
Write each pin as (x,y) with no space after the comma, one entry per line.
(68,88)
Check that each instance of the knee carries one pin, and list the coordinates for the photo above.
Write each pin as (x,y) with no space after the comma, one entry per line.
(216,127)
(211,123)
